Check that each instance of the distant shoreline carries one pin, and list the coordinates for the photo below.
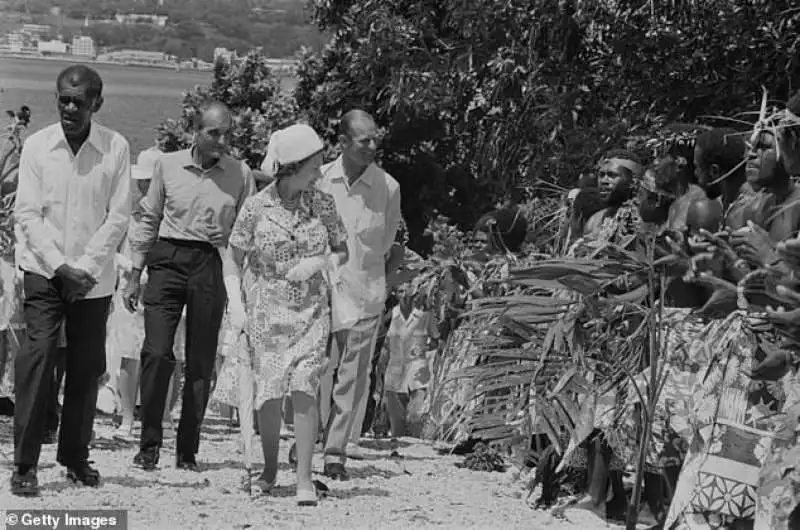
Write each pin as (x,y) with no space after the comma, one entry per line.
(78,59)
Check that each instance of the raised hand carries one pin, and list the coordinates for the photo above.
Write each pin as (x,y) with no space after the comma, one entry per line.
(780,317)
(724,299)
(754,246)
(789,252)
(777,363)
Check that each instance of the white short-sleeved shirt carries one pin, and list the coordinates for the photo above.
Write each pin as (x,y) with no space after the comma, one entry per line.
(370,210)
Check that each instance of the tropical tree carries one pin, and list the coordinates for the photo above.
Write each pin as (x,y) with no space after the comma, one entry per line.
(252,91)
(477,97)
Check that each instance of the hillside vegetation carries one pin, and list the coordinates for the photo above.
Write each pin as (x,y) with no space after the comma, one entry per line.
(194,29)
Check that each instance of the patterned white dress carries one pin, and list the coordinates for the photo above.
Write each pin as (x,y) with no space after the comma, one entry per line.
(288,323)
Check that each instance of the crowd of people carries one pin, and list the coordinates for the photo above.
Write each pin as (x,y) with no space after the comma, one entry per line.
(147,279)
(154,278)
(725,213)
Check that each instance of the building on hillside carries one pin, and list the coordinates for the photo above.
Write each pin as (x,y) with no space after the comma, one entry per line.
(137,56)
(204,66)
(83,46)
(19,42)
(136,18)
(52,47)
(225,53)
(15,41)
(36,30)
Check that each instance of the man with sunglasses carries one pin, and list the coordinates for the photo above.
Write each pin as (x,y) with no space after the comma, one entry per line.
(186,217)
(72,210)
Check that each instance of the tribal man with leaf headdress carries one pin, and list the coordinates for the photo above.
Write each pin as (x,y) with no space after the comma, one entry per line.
(734,410)
(618,173)
(594,446)
(777,497)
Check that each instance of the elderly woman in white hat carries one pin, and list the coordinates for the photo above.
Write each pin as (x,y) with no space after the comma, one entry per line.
(289,234)
(126,330)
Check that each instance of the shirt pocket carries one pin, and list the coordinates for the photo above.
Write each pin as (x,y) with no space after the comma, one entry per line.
(227,213)
(54,185)
(89,195)
(370,232)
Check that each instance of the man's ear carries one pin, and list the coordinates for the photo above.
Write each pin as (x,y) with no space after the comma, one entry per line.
(343,140)
(97,103)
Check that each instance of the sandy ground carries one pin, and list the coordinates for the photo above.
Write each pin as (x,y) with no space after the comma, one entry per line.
(420,490)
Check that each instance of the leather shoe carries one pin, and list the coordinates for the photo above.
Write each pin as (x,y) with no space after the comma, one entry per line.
(335,471)
(187,462)
(25,484)
(147,460)
(84,473)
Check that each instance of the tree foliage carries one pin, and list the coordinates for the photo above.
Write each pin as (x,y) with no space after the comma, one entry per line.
(479,96)
(253,93)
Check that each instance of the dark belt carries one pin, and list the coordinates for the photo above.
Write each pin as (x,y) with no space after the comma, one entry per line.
(188,243)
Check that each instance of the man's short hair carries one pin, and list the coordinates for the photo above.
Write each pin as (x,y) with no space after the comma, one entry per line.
(349,118)
(197,116)
(79,74)
(721,146)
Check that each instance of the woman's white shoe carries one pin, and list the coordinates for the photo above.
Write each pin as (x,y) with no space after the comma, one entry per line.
(307,497)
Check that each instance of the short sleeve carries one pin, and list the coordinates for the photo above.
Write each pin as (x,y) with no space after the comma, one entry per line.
(325,209)
(243,233)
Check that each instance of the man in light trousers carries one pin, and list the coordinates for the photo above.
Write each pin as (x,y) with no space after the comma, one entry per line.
(368,200)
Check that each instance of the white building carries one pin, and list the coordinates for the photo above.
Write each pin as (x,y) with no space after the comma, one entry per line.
(16,42)
(134,18)
(52,47)
(83,46)
(136,56)
(225,53)
(35,30)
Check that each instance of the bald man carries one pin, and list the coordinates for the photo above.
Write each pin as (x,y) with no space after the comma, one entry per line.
(368,199)
(72,210)
(186,216)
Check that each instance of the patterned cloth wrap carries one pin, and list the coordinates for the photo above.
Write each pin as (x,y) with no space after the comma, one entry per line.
(685,357)
(778,493)
(731,432)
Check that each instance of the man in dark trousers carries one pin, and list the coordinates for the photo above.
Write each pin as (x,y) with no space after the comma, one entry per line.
(187,216)
(72,210)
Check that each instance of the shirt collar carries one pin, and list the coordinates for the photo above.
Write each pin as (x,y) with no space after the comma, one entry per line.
(190,163)
(367,177)
(94,139)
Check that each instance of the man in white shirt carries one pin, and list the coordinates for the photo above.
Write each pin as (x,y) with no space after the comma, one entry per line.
(368,200)
(72,210)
